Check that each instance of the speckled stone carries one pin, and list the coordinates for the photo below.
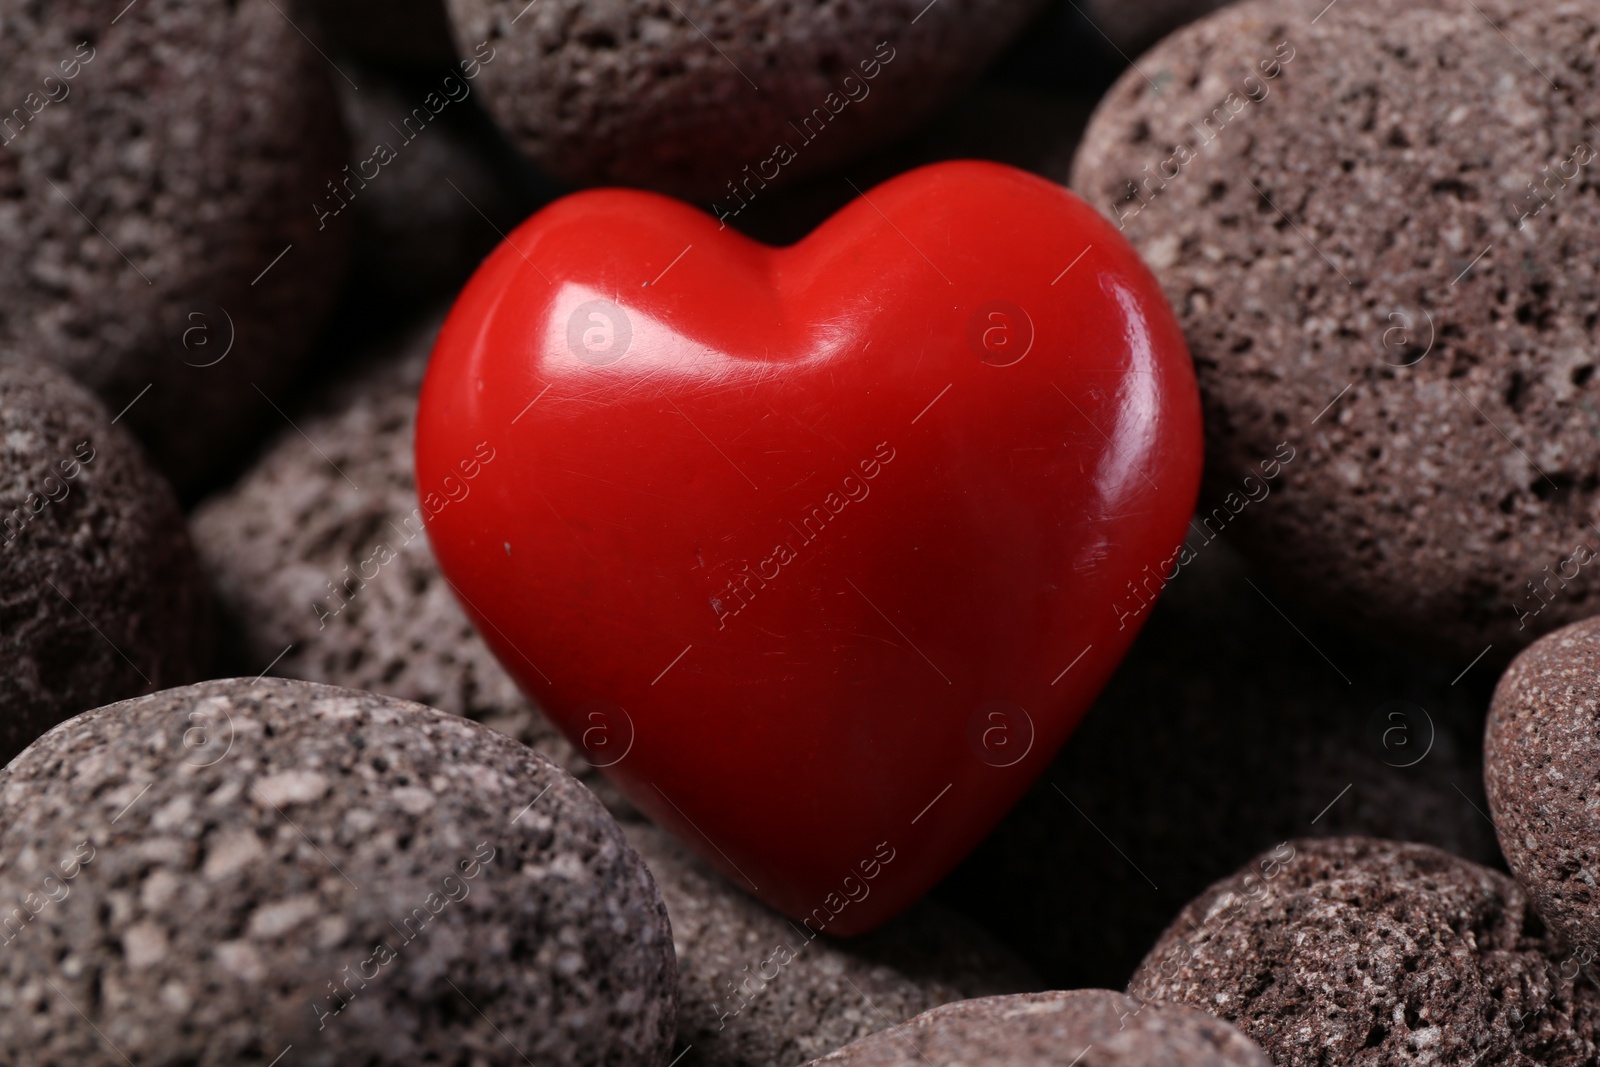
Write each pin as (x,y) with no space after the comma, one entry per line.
(101,596)
(1224,732)
(637,92)
(1361,951)
(1542,774)
(1097,1026)
(756,992)
(181,156)
(209,875)
(1361,266)
(287,546)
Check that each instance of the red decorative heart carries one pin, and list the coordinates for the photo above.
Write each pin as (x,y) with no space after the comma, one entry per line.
(820,551)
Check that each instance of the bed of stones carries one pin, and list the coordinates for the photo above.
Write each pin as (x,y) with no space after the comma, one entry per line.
(251,816)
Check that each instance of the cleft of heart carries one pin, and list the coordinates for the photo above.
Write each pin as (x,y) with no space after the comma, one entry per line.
(808,516)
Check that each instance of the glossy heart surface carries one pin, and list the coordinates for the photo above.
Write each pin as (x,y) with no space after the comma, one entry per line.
(820,552)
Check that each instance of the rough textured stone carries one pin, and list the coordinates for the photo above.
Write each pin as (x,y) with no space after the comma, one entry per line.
(1099,1027)
(155,185)
(1360,951)
(641,92)
(216,867)
(1542,773)
(1362,266)
(756,992)
(101,596)
(317,553)
(1224,732)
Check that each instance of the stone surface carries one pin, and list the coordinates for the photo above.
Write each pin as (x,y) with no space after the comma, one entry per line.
(634,92)
(317,554)
(101,596)
(1224,732)
(1361,951)
(143,196)
(1362,267)
(757,992)
(1542,774)
(1044,1029)
(214,873)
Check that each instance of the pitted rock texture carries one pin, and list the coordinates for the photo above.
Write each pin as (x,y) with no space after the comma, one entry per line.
(101,596)
(682,98)
(1542,773)
(1379,255)
(756,990)
(214,873)
(1097,1026)
(143,196)
(318,553)
(1368,952)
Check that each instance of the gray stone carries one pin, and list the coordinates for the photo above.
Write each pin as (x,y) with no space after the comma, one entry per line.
(141,207)
(209,875)
(1089,1027)
(1379,254)
(636,92)
(1134,25)
(287,548)
(756,992)
(101,596)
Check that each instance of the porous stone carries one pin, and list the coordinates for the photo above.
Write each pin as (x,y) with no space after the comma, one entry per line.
(684,99)
(157,160)
(1225,732)
(101,596)
(1106,1029)
(1372,226)
(757,989)
(317,554)
(1362,951)
(1542,774)
(212,874)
